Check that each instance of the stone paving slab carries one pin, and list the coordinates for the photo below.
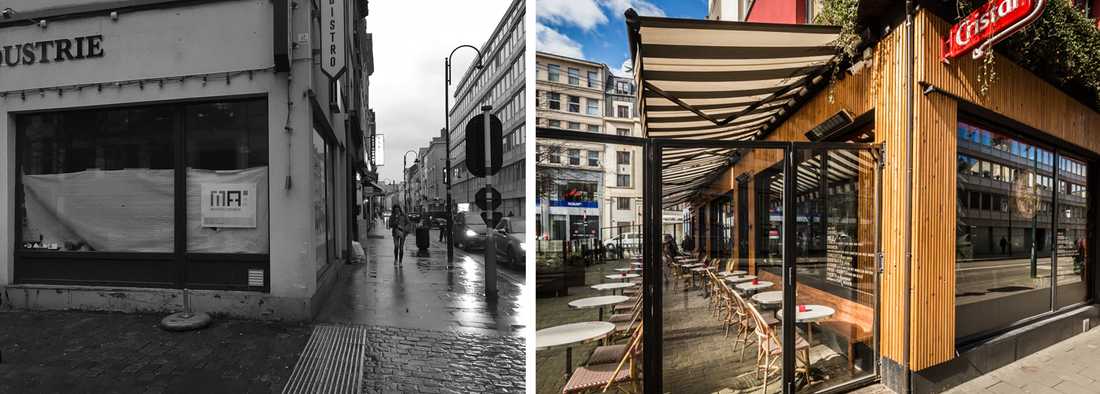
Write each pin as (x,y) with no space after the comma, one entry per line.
(92,352)
(406,360)
(1070,366)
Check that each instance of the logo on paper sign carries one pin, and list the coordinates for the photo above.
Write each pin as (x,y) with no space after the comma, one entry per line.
(988,25)
(229,205)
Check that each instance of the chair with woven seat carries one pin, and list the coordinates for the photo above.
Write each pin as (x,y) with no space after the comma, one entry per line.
(624,375)
(611,353)
(769,348)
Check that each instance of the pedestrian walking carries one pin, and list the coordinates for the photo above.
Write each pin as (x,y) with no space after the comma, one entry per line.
(400,225)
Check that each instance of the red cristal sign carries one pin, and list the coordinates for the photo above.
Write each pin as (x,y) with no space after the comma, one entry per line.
(989,24)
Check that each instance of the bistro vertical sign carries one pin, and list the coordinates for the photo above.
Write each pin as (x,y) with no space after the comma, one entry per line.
(333,61)
(988,25)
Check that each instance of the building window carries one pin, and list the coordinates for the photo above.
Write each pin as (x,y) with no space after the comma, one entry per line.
(574,76)
(573,126)
(594,128)
(553,154)
(622,111)
(622,203)
(553,72)
(574,157)
(553,123)
(107,181)
(554,99)
(622,180)
(574,104)
(622,158)
(623,132)
(593,158)
(593,107)
(1009,241)
(593,79)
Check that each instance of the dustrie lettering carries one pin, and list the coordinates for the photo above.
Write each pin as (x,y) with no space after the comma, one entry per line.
(48,51)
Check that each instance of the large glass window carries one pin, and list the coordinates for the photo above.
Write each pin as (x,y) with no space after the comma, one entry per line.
(1020,230)
(227,175)
(98,180)
(320,201)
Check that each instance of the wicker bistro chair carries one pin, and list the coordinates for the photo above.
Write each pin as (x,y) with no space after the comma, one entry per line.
(624,376)
(769,348)
(612,353)
(635,306)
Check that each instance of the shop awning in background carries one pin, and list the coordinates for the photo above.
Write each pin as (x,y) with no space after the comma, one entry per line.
(714,80)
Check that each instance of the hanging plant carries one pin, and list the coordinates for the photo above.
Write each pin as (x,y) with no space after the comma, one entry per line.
(840,13)
(987,74)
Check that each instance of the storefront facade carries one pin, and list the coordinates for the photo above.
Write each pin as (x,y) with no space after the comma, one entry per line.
(144,155)
(1000,243)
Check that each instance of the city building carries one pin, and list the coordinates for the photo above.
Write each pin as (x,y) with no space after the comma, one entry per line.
(432,173)
(151,161)
(500,83)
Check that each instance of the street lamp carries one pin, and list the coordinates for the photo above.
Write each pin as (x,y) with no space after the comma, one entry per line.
(404,160)
(447,137)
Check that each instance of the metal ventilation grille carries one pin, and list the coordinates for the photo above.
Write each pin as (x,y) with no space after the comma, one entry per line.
(332,362)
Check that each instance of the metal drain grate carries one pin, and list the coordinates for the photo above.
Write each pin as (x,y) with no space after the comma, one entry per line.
(332,362)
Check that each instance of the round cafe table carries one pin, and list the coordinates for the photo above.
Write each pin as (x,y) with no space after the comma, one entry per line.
(768,297)
(569,334)
(812,314)
(749,286)
(739,279)
(597,302)
(622,277)
(732,273)
(613,286)
(637,264)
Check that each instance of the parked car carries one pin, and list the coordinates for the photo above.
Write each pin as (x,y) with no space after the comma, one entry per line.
(628,241)
(510,243)
(440,223)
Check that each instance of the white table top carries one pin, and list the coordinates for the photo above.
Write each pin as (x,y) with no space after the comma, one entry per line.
(571,333)
(622,276)
(627,269)
(739,279)
(769,297)
(701,269)
(812,314)
(749,286)
(692,265)
(593,302)
(613,286)
(734,272)
(637,264)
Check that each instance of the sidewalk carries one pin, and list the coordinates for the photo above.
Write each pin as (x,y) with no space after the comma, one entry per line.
(1070,366)
(430,329)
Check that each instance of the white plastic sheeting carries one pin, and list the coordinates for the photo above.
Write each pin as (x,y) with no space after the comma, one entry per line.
(131,210)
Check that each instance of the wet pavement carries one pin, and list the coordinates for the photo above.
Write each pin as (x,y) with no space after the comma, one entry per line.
(422,293)
(95,352)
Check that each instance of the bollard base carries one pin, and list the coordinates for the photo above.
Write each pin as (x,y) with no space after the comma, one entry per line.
(184,321)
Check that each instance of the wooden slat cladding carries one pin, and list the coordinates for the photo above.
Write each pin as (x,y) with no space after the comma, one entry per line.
(1016,93)
(889,91)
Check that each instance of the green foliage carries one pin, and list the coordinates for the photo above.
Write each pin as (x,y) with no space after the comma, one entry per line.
(1063,45)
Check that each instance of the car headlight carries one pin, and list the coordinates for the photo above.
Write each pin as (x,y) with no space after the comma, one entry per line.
(523,246)
(471,233)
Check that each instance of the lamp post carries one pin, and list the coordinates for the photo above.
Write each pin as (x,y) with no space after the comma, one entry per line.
(447,137)
(404,160)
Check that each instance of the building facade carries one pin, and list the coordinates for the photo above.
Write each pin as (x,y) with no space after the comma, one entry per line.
(144,155)
(432,171)
(500,84)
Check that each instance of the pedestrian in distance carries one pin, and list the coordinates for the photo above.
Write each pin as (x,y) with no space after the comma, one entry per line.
(400,225)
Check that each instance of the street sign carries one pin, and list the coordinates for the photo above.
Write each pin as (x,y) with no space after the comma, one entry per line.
(475,145)
(333,38)
(497,216)
(481,200)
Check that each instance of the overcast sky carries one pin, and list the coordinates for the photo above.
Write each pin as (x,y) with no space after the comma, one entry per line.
(411,39)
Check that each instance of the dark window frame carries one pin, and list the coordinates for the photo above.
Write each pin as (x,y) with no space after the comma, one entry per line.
(176,269)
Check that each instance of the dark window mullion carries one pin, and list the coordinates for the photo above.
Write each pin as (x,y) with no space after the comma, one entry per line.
(180,195)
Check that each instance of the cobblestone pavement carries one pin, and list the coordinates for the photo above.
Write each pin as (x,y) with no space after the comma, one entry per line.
(1066,367)
(426,361)
(90,352)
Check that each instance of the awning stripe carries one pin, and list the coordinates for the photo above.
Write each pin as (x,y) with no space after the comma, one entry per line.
(717,52)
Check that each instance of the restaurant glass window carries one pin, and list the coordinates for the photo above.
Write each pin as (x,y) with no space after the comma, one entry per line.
(1004,235)
(98,180)
(1071,233)
(227,175)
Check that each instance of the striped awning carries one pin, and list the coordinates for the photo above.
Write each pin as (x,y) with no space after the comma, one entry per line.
(716,80)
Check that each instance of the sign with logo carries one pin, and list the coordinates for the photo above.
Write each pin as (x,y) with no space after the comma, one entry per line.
(228,205)
(51,51)
(333,38)
(379,150)
(988,25)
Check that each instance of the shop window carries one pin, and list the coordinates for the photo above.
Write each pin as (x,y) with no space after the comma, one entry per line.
(321,225)
(98,180)
(227,166)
